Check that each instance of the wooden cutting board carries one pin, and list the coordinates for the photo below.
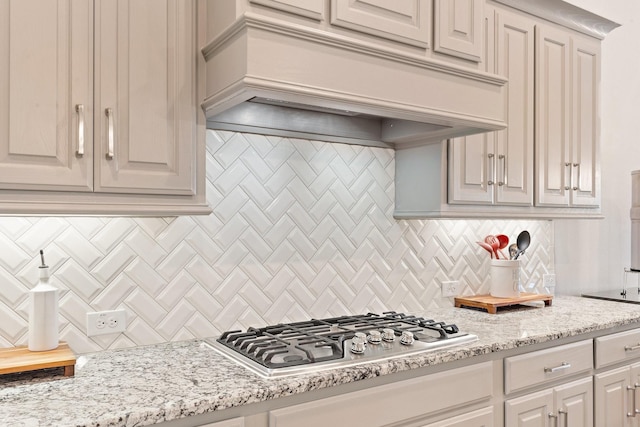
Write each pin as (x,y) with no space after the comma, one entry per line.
(20,359)
(491,304)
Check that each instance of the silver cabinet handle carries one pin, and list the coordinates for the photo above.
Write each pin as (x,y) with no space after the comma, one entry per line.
(577,187)
(492,168)
(555,418)
(503,160)
(110,133)
(632,389)
(566,417)
(632,347)
(568,167)
(563,366)
(80,111)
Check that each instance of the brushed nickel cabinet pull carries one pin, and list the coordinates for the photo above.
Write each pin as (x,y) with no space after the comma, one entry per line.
(110,134)
(503,160)
(563,366)
(566,417)
(632,389)
(80,111)
(576,187)
(555,418)
(568,167)
(492,169)
(632,347)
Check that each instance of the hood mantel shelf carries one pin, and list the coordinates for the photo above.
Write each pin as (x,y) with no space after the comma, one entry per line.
(393,96)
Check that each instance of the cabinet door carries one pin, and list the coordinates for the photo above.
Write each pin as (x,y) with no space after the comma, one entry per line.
(514,162)
(46,70)
(458,28)
(497,167)
(531,410)
(574,403)
(145,123)
(407,21)
(612,399)
(553,116)
(471,169)
(585,178)
(634,403)
(471,165)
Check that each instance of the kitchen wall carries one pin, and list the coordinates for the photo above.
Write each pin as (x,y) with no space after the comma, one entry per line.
(592,255)
(300,228)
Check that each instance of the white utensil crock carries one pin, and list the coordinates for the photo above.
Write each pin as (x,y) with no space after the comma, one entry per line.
(505,278)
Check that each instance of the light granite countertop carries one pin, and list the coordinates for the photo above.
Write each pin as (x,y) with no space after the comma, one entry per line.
(151,384)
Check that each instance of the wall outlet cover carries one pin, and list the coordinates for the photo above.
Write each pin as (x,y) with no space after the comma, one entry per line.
(548,280)
(451,288)
(106,322)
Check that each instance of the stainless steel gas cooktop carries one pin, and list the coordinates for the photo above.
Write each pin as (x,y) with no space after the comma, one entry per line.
(309,346)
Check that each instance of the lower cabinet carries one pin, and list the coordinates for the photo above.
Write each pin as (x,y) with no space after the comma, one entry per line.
(616,397)
(401,404)
(567,405)
(616,388)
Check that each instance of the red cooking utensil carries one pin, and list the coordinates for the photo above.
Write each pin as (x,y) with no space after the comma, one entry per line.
(487,247)
(504,242)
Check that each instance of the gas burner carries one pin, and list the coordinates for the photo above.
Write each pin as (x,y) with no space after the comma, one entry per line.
(299,347)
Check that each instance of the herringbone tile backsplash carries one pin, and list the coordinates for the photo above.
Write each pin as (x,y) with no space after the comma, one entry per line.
(300,229)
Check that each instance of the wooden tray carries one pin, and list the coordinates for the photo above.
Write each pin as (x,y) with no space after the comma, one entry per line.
(20,359)
(491,304)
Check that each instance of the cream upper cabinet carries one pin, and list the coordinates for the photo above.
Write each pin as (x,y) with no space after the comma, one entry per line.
(406,21)
(585,156)
(497,167)
(449,30)
(458,28)
(144,121)
(46,95)
(567,120)
(98,103)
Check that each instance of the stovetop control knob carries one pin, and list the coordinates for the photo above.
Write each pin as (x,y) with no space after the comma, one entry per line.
(357,345)
(388,335)
(407,338)
(361,336)
(375,337)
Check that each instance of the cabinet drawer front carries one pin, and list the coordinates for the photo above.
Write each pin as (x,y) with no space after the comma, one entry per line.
(542,366)
(394,402)
(617,347)
(480,418)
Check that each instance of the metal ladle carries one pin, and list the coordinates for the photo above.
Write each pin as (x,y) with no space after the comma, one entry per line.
(523,241)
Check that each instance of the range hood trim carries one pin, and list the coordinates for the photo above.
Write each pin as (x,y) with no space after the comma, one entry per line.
(246,78)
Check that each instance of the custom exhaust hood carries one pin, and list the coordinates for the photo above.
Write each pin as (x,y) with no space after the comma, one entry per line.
(268,76)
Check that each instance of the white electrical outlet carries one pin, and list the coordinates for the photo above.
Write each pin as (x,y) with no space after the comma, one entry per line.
(106,322)
(451,288)
(548,280)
